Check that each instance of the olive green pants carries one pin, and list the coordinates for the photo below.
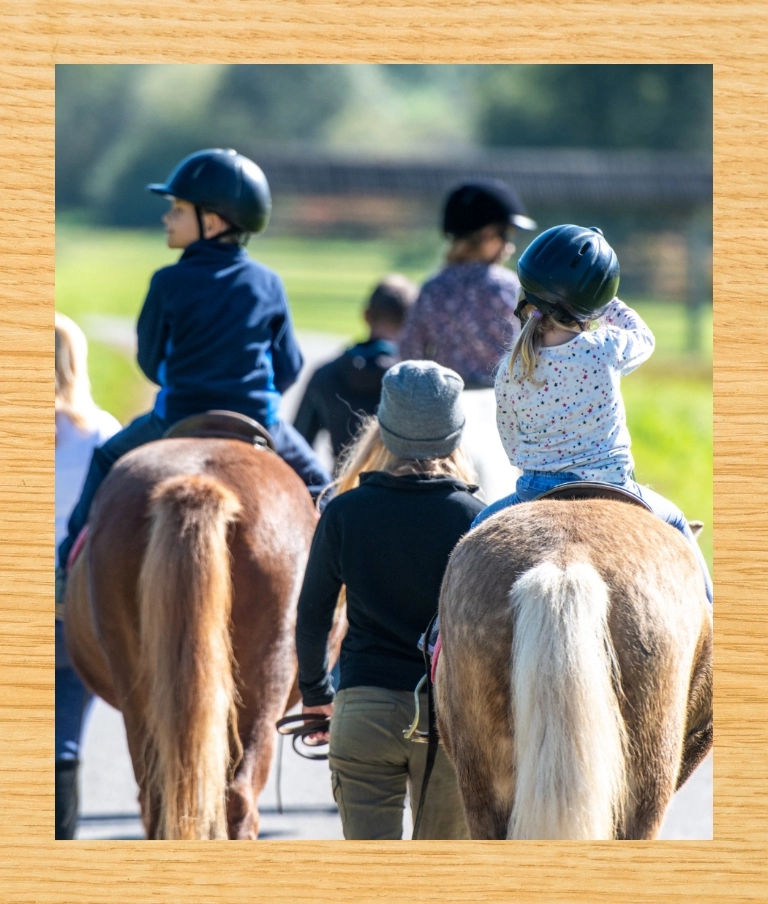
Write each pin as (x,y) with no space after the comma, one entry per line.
(372,765)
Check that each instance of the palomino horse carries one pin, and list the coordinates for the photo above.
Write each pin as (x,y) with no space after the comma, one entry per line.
(574,686)
(180,612)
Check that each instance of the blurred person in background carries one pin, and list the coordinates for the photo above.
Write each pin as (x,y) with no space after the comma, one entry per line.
(81,426)
(464,317)
(340,393)
(404,499)
(215,331)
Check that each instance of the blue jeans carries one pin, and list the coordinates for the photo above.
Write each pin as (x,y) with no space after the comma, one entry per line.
(531,484)
(72,704)
(290,444)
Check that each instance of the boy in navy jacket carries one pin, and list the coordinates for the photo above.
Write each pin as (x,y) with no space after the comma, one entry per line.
(215,331)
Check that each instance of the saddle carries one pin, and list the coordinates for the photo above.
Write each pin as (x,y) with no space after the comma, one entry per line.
(593,489)
(222,425)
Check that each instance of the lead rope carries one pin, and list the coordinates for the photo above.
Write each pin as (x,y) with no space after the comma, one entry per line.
(432,738)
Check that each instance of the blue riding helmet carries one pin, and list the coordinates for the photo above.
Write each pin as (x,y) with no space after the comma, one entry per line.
(225,182)
(570,272)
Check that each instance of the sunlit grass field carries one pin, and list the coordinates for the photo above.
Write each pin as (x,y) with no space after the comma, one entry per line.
(668,400)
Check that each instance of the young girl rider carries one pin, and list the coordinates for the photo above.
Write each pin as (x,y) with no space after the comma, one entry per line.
(560,413)
(403,501)
(215,331)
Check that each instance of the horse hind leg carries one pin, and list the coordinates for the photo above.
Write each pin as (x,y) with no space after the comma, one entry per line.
(477,735)
(248,782)
(656,721)
(652,779)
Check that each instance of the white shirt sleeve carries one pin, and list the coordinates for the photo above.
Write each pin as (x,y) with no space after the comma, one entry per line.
(625,338)
(506,420)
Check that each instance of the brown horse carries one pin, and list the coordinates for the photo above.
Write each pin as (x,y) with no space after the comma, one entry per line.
(180,612)
(574,686)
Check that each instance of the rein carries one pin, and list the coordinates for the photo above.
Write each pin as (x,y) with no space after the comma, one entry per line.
(309,723)
(432,738)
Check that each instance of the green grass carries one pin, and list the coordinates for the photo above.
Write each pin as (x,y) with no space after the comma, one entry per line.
(669,399)
(670,422)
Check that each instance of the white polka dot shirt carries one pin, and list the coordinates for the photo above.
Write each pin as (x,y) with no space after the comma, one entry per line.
(576,420)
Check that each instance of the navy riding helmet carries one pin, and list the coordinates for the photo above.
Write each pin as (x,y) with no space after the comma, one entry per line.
(225,182)
(569,272)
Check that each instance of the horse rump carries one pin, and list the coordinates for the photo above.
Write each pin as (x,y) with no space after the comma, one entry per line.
(573,691)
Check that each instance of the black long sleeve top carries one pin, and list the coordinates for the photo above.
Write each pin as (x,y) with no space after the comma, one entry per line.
(388,541)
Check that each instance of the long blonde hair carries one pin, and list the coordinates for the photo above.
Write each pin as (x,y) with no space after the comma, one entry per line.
(528,343)
(368,453)
(73,387)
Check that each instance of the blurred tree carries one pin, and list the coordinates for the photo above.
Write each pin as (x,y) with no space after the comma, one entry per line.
(120,127)
(278,104)
(651,107)
(91,109)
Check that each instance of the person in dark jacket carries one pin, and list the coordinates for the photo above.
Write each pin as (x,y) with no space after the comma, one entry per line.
(404,499)
(340,393)
(215,331)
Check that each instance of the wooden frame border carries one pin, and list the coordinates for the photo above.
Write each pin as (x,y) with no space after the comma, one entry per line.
(733,867)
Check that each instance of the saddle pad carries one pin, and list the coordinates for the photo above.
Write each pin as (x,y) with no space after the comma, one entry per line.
(77,547)
(435,656)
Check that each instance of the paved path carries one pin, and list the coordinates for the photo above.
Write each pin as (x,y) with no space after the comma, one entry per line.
(110,811)
(109,805)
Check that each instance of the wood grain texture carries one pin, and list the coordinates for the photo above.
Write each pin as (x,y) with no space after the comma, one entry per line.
(34,37)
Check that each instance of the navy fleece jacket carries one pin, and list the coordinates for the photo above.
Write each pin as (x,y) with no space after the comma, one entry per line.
(215,332)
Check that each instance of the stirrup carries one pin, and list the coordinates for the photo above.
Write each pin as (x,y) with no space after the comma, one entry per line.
(411,733)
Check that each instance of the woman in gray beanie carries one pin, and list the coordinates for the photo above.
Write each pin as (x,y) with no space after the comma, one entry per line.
(404,499)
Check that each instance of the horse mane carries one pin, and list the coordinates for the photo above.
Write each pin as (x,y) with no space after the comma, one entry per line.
(186,660)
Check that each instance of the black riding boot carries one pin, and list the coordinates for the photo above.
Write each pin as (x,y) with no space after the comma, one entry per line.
(66,799)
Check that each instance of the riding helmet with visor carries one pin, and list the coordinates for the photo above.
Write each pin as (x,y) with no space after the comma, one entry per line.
(475,204)
(569,272)
(225,182)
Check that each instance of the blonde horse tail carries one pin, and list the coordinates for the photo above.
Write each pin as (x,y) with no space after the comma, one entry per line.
(570,737)
(186,661)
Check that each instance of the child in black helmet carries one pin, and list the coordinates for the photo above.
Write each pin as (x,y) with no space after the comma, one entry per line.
(215,331)
(560,413)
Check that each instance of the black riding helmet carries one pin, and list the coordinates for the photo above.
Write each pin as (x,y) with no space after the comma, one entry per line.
(224,182)
(569,272)
(483,202)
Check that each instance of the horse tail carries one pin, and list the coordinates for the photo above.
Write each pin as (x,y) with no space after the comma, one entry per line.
(570,737)
(186,661)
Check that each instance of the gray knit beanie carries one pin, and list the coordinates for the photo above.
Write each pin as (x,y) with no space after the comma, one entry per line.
(420,415)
